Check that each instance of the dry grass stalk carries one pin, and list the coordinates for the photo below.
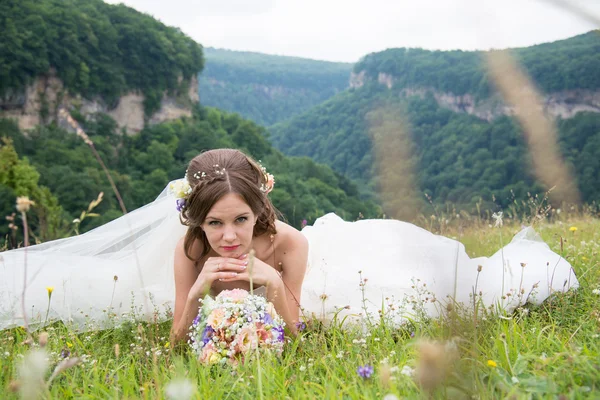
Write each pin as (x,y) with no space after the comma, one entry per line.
(64,114)
(435,363)
(392,147)
(541,135)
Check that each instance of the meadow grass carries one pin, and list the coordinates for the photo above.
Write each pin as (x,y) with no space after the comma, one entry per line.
(548,351)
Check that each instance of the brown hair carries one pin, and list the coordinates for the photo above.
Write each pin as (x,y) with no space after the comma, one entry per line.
(212,175)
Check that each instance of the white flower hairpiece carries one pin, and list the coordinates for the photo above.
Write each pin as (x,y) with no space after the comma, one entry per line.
(181,189)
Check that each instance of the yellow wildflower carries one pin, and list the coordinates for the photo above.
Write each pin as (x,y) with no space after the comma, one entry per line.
(69,344)
(573,228)
(167,345)
(50,289)
(492,363)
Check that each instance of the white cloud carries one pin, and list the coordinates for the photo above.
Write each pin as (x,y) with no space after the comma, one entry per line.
(345,30)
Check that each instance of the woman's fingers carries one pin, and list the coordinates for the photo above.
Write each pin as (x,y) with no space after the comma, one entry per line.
(236,277)
(218,264)
(227,276)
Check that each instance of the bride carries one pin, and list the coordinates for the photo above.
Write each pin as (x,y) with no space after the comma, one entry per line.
(196,237)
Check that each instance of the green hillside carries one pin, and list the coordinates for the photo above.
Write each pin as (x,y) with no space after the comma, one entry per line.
(104,50)
(457,158)
(568,64)
(266,88)
(97,49)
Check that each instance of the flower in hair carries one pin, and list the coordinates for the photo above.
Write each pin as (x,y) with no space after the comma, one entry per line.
(267,187)
(181,189)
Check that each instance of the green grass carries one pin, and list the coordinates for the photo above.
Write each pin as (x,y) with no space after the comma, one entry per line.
(550,351)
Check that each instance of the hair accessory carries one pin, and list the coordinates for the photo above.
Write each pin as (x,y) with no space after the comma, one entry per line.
(266,187)
(181,189)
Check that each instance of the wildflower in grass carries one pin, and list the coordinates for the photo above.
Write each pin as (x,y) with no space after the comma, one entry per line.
(492,363)
(31,374)
(573,229)
(596,291)
(365,371)
(390,397)
(408,371)
(514,380)
(300,326)
(24,204)
(69,344)
(180,389)
(302,368)
(43,339)
(498,219)
(304,223)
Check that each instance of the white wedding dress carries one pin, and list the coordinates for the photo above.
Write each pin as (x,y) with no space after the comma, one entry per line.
(125,268)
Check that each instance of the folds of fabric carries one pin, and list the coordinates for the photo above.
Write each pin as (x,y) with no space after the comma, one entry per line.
(123,267)
(408,272)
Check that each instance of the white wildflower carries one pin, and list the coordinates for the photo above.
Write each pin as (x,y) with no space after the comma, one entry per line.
(180,389)
(498,219)
(408,371)
(32,372)
(302,368)
(514,380)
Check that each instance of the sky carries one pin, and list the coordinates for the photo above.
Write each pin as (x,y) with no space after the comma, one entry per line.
(346,30)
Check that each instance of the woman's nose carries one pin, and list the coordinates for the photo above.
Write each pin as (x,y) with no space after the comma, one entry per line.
(229,234)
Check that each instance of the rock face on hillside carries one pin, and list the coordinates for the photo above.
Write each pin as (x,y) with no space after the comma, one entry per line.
(40,101)
(564,104)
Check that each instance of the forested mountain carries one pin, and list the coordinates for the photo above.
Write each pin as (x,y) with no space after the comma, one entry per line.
(265,88)
(455,157)
(95,48)
(98,51)
(562,65)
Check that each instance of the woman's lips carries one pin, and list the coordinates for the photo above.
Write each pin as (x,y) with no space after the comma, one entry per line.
(230,248)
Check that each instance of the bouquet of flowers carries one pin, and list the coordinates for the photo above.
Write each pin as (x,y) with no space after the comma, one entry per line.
(232,325)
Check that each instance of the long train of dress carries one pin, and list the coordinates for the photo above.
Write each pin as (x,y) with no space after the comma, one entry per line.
(125,268)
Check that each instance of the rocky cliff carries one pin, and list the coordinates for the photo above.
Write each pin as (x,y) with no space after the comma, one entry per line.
(564,104)
(41,100)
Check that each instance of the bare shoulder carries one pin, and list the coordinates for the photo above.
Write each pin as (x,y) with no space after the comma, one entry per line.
(290,239)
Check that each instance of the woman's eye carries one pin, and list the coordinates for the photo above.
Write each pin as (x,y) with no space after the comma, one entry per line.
(214,223)
(242,219)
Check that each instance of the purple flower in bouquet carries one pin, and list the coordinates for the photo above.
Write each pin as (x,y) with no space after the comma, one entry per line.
(207,334)
(278,334)
(196,320)
(267,319)
(365,371)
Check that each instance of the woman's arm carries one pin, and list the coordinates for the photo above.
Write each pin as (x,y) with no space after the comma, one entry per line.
(186,306)
(294,259)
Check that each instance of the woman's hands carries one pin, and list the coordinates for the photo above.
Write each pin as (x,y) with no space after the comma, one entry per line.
(262,273)
(217,268)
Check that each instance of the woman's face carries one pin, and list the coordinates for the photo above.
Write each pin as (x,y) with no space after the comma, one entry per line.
(229,226)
